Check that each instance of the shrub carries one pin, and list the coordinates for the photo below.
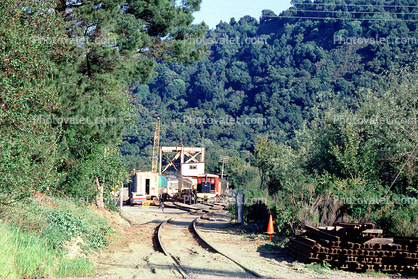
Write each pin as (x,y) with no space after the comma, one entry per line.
(63,226)
(24,254)
(397,218)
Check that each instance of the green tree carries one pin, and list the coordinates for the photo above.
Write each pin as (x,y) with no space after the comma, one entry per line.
(29,148)
(127,36)
(276,163)
(114,44)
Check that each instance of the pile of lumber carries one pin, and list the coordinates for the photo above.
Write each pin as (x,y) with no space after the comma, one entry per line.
(356,247)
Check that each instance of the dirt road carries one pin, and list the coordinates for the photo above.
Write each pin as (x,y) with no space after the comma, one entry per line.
(135,253)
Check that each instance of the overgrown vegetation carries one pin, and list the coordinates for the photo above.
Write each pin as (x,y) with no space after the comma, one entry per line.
(341,169)
(34,234)
(354,164)
(318,268)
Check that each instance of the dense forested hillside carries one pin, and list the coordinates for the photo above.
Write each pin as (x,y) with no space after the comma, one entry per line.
(269,74)
(317,108)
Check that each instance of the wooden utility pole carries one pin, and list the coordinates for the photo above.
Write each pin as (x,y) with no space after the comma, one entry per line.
(223,159)
(155,150)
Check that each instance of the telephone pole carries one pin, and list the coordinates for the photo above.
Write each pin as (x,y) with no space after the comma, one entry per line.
(156,147)
(223,159)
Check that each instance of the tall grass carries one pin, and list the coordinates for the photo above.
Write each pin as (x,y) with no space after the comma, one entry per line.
(32,256)
(26,255)
(74,267)
(7,257)
(31,235)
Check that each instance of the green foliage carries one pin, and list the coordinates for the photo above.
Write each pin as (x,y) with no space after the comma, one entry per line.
(349,164)
(318,268)
(32,254)
(32,235)
(300,202)
(241,175)
(63,226)
(26,144)
(138,30)
(65,70)
(356,162)
(64,87)
(231,208)
(256,213)
(59,225)
(256,208)
(93,84)
(275,162)
(74,267)
(307,82)
(398,216)
(112,206)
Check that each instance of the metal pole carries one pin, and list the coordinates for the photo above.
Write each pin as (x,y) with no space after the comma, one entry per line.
(239,210)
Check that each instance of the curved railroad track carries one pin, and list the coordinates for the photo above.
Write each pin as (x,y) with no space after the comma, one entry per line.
(192,255)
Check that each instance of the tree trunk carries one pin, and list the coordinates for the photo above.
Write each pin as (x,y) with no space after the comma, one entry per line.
(99,197)
(121,198)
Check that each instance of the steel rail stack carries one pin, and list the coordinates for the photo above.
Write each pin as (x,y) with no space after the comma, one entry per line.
(355,247)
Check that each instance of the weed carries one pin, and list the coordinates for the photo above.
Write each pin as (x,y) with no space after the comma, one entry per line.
(6,253)
(327,265)
(66,225)
(74,267)
(25,254)
(111,206)
(277,243)
(318,267)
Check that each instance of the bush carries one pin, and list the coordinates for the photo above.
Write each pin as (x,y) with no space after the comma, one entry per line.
(63,226)
(253,212)
(32,234)
(256,213)
(396,218)
(111,205)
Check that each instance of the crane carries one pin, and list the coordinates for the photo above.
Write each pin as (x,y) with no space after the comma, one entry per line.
(156,146)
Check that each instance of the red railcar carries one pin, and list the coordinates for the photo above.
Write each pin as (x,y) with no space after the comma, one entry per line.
(210,186)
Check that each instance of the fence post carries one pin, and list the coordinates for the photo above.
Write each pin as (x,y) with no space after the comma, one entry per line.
(239,210)
(121,197)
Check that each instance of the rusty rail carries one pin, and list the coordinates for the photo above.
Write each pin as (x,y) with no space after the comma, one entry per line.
(357,247)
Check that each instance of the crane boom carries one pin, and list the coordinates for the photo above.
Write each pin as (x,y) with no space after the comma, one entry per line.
(156,147)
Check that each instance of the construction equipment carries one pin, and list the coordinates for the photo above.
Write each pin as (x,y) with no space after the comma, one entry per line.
(155,150)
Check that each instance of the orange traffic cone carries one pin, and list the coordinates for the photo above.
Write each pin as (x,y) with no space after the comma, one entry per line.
(270,228)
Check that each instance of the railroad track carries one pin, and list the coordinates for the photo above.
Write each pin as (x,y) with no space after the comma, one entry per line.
(192,255)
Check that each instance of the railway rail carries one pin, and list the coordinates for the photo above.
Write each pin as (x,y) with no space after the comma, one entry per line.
(356,247)
(192,255)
